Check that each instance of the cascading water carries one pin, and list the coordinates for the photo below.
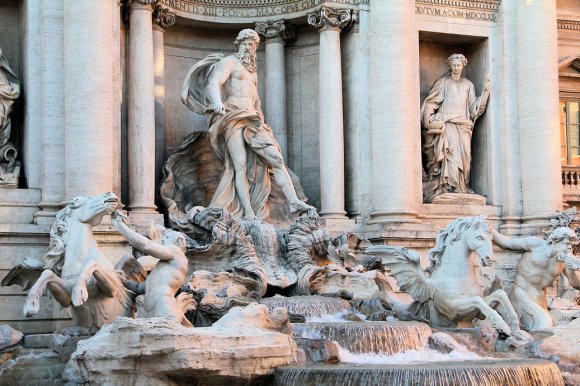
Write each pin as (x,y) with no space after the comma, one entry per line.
(368,337)
(309,306)
(483,373)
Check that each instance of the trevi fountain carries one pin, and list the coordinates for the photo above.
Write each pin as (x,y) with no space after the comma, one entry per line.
(289,192)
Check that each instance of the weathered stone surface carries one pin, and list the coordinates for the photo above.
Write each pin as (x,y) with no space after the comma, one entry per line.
(9,336)
(563,347)
(159,351)
(45,341)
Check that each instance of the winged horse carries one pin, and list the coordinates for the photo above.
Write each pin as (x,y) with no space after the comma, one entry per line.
(76,271)
(448,295)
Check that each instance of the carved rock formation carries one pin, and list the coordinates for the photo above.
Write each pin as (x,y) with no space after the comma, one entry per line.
(159,351)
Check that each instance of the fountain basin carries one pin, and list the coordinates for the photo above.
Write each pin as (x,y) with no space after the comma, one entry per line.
(367,337)
(516,372)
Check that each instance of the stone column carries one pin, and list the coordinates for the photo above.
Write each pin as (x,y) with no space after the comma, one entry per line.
(88,93)
(52,110)
(141,110)
(357,118)
(537,54)
(162,19)
(276,34)
(329,22)
(394,97)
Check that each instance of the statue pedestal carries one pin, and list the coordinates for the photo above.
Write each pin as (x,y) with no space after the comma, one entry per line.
(459,199)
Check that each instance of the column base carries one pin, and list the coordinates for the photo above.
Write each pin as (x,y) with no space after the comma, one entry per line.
(47,214)
(336,226)
(338,215)
(402,233)
(141,220)
(18,206)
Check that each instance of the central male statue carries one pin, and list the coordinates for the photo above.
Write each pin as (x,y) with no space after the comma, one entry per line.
(225,88)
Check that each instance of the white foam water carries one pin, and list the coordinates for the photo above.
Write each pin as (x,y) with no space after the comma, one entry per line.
(332,318)
(424,355)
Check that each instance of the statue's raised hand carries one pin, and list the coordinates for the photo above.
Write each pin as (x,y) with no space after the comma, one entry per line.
(219,108)
(119,216)
(487,85)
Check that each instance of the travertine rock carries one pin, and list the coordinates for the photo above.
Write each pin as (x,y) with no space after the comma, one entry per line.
(159,351)
(563,346)
(9,336)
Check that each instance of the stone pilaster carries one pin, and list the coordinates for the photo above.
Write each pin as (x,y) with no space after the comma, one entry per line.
(537,53)
(89,100)
(276,34)
(141,111)
(162,19)
(329,22)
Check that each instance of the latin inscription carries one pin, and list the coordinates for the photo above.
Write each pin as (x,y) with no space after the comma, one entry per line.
(256,11)
(456,13)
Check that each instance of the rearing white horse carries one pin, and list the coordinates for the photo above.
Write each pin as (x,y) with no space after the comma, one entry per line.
(76,271)
(450,294)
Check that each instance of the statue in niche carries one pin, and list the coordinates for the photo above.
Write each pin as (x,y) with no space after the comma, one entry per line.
(541,263)
(448,116)
(225,88)
(167,276)
(9,92)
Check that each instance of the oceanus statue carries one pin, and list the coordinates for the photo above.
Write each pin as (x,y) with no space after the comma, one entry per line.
(76,271)
(449,295)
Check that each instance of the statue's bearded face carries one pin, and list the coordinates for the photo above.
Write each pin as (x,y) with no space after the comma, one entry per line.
(247,54)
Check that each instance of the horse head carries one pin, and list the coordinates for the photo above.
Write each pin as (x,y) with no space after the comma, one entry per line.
(479,240)
(473,232)
(91,210)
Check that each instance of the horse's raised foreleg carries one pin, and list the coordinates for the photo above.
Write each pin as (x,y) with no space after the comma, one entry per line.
(499,300)
(106,280)
(464,306)
(57,287)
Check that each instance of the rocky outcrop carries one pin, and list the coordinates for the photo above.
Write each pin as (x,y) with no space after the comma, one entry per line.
(240,349)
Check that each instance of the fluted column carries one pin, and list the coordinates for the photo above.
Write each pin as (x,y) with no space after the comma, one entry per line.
(276,34)
(88,85)
(394,97)
(329,22)
(162,19)
(537,51)
(141,109)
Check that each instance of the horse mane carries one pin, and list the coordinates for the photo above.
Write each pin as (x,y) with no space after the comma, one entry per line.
(59,235)
(452,233)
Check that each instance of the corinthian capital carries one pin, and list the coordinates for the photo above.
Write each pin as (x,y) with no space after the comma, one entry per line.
(332,18)
(162,17)
(140,4)
(276,31)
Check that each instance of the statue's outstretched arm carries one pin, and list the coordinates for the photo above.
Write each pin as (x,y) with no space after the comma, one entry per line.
(141,242)
(515,244)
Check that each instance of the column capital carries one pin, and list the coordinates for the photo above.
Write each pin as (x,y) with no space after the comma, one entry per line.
(146,5)
(331,18)
(276,31)
(162,17)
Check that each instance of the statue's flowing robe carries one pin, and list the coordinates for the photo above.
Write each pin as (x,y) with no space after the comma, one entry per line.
(9,91)
(449,154)
(256,134)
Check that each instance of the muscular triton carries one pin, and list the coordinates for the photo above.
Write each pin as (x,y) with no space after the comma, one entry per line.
(541,263)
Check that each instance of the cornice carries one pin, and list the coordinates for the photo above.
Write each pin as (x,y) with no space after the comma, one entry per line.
(568,25)
(487,5)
